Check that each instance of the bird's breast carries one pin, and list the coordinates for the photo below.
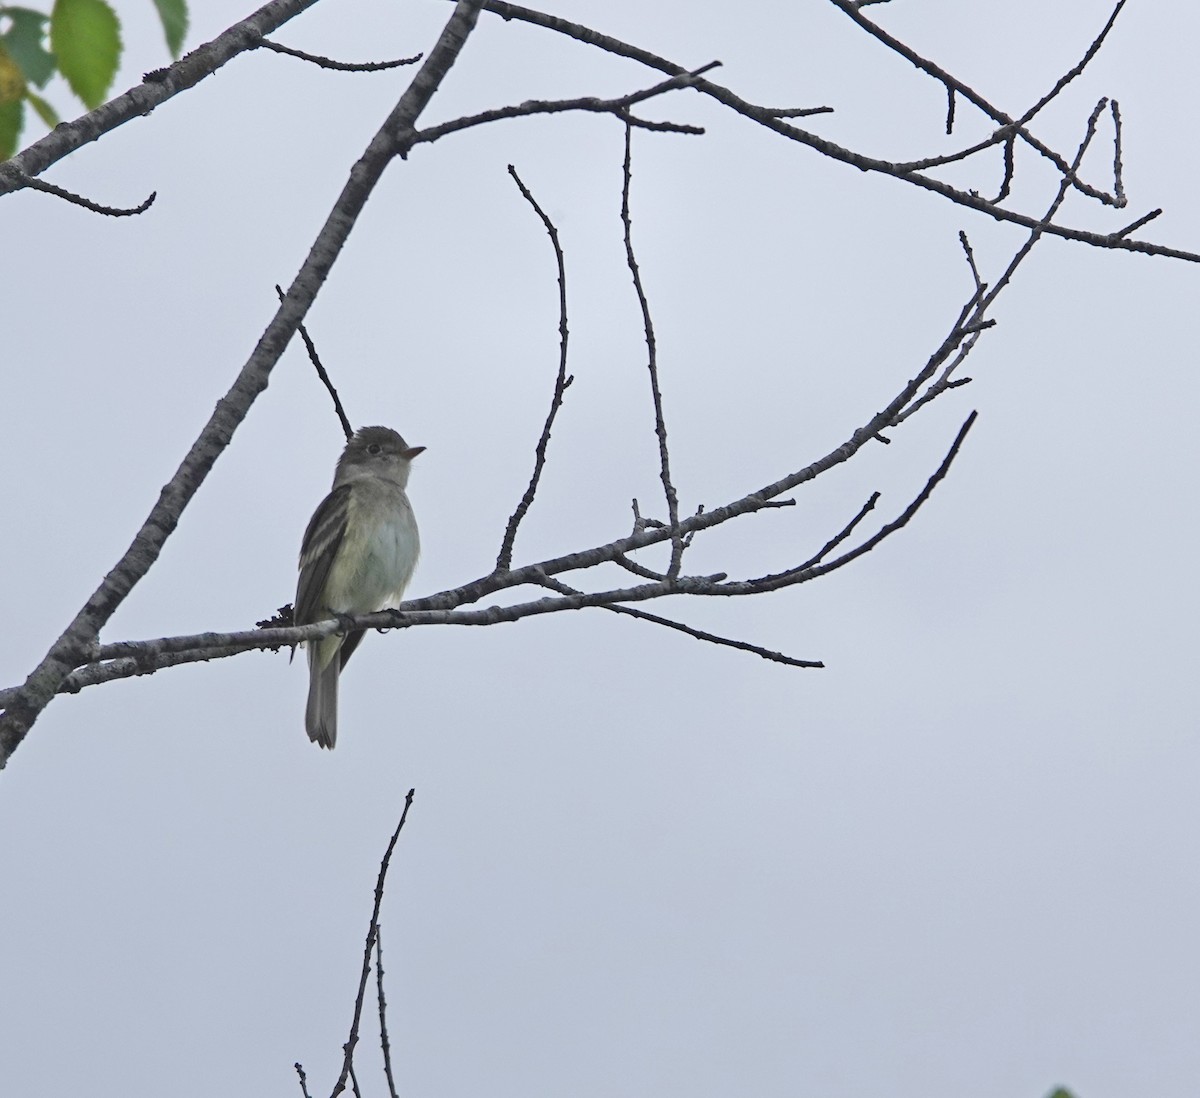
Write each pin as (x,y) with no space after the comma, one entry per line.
(378,552)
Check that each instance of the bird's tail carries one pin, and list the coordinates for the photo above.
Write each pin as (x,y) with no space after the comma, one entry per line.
(320,716)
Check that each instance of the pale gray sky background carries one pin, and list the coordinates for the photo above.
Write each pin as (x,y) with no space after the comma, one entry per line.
(959,861)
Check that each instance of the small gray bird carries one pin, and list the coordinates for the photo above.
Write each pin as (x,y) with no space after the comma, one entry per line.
(359,552)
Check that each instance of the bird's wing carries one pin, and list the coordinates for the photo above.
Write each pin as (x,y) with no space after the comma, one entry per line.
(321,542)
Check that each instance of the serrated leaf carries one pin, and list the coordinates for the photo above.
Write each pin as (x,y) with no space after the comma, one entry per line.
(45,112)
(11,117)
(25,41)
(174,16)
(85,36)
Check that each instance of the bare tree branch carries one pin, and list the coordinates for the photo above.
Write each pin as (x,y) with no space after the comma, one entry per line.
(904,172)
(1010,127)
(77,659)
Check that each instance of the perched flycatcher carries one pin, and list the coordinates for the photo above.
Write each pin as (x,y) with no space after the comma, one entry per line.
(358,555)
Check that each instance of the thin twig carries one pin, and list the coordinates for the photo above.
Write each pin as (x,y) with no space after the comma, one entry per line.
(698,634)
(1118,181)
(1135,225)
(1010,170)
(618,107)
(322,373)
(384,1043)
(561,382)
(842,534)
(660,426)
(78,200)
(340,66)
(636,569)
(713,638)
(1072,73)
(970,254)
(372,932)
(303,1079)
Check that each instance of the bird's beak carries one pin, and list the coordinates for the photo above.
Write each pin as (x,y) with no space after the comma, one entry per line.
(412,452)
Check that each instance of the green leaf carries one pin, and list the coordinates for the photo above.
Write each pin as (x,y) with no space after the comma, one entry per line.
(174,16)
(45,112)
(11,117)
(25,41)
(86,38)
(1060,1092)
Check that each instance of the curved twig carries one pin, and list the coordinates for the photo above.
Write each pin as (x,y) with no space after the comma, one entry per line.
(339,66)
(78,199)
(561,383)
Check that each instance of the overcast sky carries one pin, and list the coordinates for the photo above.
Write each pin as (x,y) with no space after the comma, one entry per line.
(960,860)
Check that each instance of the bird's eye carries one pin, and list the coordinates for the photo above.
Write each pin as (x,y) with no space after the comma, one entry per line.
(374,448)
